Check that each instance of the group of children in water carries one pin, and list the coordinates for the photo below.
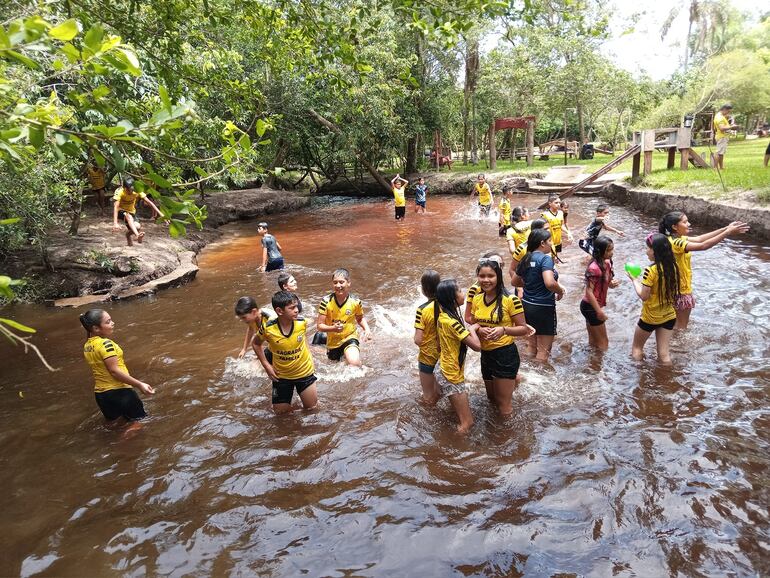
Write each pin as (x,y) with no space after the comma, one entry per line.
(493,319)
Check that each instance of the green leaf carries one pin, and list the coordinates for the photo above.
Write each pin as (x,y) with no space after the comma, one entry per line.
(261,127)
(164,97)
(159,180)
(25,60)
(72,53)
(128,57)
(36,136)
(176,228)
(100,92)
(117,159)
(200,172)
(17,325)
(65,31)
(245,141)
(10,221)
(5,42)
(93,38)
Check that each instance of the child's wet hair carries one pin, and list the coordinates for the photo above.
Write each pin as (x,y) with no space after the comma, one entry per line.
(282,299)
(91,318)
(341,272)
(244,305)
(537,224)
(428,282)
(517,214)
(552,198)
(536,238)
(507,188)
(601,207)
(668,221)
(283,280)
(262,225)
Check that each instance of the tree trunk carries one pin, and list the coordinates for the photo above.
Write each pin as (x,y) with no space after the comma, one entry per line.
(581,123)
(411,155)
(278,161)
(77,209)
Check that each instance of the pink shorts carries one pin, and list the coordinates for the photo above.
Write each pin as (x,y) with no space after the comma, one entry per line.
(684,302)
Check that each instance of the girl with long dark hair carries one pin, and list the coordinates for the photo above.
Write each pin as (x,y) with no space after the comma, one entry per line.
(599,278)
(426,339)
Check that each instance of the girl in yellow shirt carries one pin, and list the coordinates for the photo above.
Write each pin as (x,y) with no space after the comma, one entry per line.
(426,339)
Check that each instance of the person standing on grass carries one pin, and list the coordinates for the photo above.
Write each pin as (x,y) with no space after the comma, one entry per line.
(767,154)
(272,259)
(723,123)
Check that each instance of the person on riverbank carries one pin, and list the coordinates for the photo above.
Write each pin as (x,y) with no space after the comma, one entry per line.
(595,227)
(475,288)
(599,277)
(485,200)
(338,316)
(454,339)
(113,385)
(247,310)
(272,259)
(291,365)
(398,184)
(420,196)
(658,289)
(500,318)
(723,124)
(519,231)
(767,154)
(555,217)
(504,221)
(125,198)
(426,339)
(676,226)
(97,180)
(537,274)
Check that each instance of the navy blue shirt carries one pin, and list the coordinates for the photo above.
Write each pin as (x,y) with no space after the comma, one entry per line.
(535,291)
(419,193)
(269,243)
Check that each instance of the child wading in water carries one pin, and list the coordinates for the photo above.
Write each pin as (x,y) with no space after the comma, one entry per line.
(599,278)
(676,226)
(454,339)
(113,385)
(399,196)
(481,188)
(595,227)
(426,339)
(272,259)
(291,366)
(557,222)
(658,289)
(504,222)
(247,310)
(475,289)
(338,315)
(420,196)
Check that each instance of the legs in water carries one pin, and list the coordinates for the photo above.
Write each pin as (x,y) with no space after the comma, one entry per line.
(430,389)
(462,408)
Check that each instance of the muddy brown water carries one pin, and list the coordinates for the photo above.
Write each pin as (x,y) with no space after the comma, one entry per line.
(607,468)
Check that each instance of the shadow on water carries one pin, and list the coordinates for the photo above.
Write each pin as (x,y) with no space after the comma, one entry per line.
(607,467)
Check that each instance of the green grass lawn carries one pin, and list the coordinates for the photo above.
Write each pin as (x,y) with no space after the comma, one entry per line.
(744,171)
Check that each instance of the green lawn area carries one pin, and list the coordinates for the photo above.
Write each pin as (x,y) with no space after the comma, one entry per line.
(744,171)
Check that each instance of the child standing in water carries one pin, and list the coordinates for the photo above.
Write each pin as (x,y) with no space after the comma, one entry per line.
(291,366)
(595,228)
(676,227)
(454,339)
(519,231)
(113,385)
(272,259)
(475,289)
(658,289)
(420,196)
(504,221)
(500,317)
(481,188)
(556,222)
(425,337)
(599,278)
(338,315)
(246,310)
(399,195)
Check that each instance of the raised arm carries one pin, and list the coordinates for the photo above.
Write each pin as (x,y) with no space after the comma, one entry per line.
(708,240)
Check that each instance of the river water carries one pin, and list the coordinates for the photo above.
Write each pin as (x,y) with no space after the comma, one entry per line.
(607,468)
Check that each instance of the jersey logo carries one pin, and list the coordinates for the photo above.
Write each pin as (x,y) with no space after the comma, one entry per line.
(348,311)
(299,338)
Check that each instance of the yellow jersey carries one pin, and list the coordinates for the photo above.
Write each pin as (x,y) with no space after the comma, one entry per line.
(127,201)
(486,316)
(347,312)
(485,194)
(683,263)
(653,311)
(505,212)
(519,233)
(291,356)
(424,320)
(521,250)
(95,178)
(555,223)
(721,126)
(452,355)
(472,291)
(96,350)
(399,196)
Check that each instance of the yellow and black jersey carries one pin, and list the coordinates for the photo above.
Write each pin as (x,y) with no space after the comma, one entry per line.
(424,320)
(257,324)
(555,222)
(486,314)
(95,178)
(127,201)
(505,212)
(653,311)
(683,263)
(518,233)
(399,196)
(452,356)
(96,350)
(291,355)
(521,250)
(485,193)
(347,312)
(472,291)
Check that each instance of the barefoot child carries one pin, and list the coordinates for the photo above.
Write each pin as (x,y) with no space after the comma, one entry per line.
(338,315)
(481,188)
(113,385)
(125,208)
(556,222)
(599,278)
(420,196)
(504,221)
(399,196)
(425,338)
(454,339)
(658,289)
(595,228)
(291,366)
(272,259)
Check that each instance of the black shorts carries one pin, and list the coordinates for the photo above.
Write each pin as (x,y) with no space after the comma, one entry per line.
(123,402)
(400,212)
(337,353)
(649,327)
(319,338)
(122,215)
(587,245)
(484,209)
(502,363)
(557,248)
(274,265)
(541,317)
(503,230)
(590,314)
(283,389)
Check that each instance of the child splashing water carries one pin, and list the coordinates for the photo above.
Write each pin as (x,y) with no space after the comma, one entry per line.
(454,339)
(599,278)
(426,339)
(338,315)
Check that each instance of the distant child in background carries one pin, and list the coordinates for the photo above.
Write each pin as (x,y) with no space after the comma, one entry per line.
(454,339)
(521,248)
(519,231)
(676,227)
(565,210)
(287,282)
(420,196)
(599,278)
(125,198)
(658,289)
(338,315)
(113,385)
(595,228)
(555,217)
(97,181)
(246,310)
(399,195)
(504,221)
(481,188)
(291,366)
(272,259)
(426,339)
(474,289)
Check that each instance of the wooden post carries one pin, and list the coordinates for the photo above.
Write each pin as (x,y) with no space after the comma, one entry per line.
(565,137)
(684,159)
(436,144)
(492,146)
(671,158)
(683,142)
(530,143)
(636,161)
(648,148)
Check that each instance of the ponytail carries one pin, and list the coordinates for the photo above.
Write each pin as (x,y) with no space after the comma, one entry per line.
(666,226)
(536,238)
(91,318)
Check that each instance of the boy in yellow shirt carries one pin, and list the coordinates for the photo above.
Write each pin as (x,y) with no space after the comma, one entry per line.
(723,123)
(399,195)
(125,208)
(481,188)
(338,315)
